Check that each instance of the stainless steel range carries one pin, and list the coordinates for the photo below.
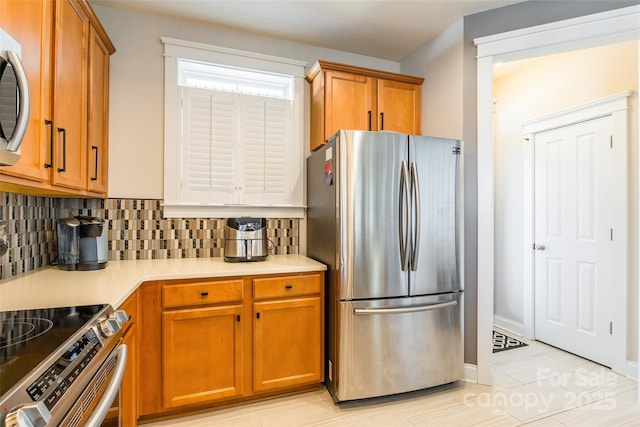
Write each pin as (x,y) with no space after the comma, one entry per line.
(60,366)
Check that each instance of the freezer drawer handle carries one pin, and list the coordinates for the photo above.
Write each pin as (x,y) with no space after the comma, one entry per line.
(401,310)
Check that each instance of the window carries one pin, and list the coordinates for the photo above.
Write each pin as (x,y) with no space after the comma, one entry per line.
(234,79)
(233,133)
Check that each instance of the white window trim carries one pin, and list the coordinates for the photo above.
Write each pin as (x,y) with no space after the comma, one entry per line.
(174,49)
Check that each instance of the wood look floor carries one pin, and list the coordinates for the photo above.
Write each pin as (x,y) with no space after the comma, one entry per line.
(536,385)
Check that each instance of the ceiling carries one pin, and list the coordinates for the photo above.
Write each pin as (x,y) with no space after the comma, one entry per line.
(386,29)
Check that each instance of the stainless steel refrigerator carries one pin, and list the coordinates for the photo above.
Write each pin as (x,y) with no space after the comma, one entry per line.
(383,216)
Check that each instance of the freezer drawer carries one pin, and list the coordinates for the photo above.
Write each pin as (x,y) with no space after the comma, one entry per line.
(398,345)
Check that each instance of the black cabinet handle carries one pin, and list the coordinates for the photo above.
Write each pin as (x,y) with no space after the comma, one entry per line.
(381,121)
(369,113)
(237,317)
(63,131)
(289,286)
(95,176)
(50,124)
(204,293)
(257,315)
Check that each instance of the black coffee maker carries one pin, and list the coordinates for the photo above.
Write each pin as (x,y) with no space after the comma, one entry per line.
(82,243)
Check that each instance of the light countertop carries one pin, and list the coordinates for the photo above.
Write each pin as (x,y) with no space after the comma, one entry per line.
(53,287)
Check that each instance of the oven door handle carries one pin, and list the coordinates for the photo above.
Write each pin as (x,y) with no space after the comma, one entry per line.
(101,409)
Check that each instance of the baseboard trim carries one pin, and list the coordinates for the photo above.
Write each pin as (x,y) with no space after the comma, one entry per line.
(470,373)
(632,370)
(508,325)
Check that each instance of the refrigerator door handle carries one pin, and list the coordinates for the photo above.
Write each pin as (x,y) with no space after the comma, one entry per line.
(403,220)
(415,190)
(401,310)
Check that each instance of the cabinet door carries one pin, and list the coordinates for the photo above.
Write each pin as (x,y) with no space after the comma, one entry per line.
(399,107)
(69,104)
(287,343)
(97,129)
(29,22)
(202,355)
(349,102)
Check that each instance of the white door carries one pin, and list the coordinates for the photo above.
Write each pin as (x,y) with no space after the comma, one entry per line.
(574,236)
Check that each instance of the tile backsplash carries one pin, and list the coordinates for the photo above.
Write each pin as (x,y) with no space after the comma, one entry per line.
(137,230)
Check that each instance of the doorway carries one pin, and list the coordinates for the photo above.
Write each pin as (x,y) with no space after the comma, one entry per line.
(581,276)
(575,33)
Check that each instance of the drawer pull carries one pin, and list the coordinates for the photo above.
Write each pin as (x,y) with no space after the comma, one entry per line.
(238,317)
(204,294)
(289,286)
(257,315)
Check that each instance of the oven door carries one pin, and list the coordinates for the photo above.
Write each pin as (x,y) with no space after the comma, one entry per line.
(93,405)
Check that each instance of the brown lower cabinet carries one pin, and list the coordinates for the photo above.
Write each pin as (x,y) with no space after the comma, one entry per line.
(202,354)
(211,342)
(287,331)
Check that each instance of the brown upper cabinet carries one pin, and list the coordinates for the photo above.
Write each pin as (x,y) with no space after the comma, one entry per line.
(349,97)
(65,53)
(98,114)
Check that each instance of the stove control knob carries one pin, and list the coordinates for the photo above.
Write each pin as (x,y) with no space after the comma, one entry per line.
(31,415)
(120,316)
(108,327)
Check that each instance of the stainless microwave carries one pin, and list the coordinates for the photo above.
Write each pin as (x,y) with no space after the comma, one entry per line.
(14,100)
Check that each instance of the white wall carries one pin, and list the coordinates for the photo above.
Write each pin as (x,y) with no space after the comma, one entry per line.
(136,113)
(440,63)
(533,88)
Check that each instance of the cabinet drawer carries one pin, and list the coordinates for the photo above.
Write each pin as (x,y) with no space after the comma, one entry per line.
(201,293)
(275,287)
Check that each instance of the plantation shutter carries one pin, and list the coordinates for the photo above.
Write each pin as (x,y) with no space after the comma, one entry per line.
(265,135)
(208,139)
(236,149)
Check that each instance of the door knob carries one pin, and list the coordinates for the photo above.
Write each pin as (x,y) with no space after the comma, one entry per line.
(539,247)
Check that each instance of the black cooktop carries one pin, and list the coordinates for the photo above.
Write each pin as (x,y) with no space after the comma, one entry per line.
(27,337)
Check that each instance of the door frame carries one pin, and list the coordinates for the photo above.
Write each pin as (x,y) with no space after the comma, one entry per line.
(617,107)
(613,26)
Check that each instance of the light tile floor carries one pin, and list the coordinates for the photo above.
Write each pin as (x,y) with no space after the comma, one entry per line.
(536,385)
